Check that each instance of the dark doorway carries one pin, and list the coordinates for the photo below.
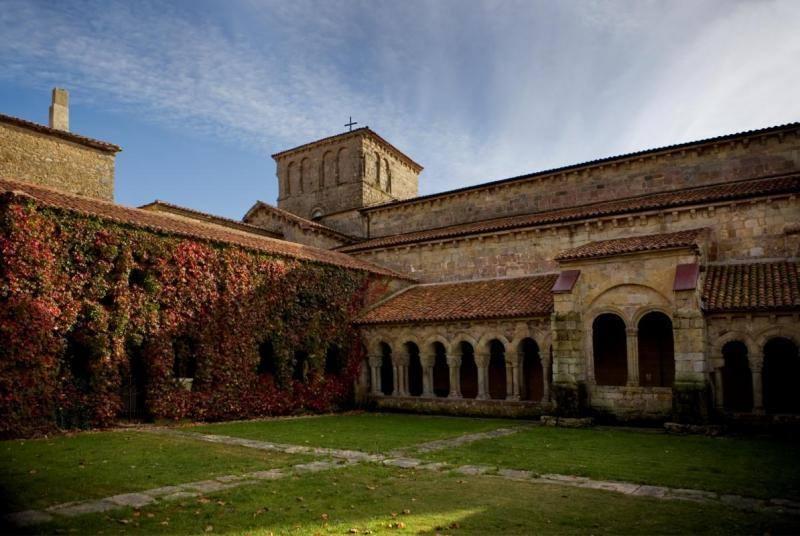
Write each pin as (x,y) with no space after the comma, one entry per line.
(387,374)
(781,371)
(610,350)
(656,351)
(532,372)
(497,370)
(134,384)
(441,372)
(300,366)
(414,370)
(267,368)
(469,371)
(334,364)
(737,380)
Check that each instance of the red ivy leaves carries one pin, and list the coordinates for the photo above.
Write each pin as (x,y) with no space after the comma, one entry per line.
(69,280)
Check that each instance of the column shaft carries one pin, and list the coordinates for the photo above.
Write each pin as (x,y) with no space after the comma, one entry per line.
(633,356)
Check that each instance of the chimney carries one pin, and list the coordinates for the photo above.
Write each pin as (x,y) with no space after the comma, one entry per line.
(59,110)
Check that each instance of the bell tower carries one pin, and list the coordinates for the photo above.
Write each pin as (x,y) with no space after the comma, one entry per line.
(343,172)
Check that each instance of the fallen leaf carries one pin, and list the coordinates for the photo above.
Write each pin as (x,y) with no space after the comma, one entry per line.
(324,516)
(353,531)
(209,528)
(406,511)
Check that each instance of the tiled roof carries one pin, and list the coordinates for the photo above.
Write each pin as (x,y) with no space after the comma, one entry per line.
(593,163)
(357,132)
(703,195)
(632,244)
(752,287)
(169,208)
(63,134)
(302,223)
(495,298)
(194,229)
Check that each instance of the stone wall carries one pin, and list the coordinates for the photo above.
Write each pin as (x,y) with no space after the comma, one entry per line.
(36,157)
(739,231)
(293,232)
(342,173)
(759,155)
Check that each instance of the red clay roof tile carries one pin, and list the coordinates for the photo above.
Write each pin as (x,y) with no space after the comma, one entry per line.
(195,229)
(467,300)
(752,287)
(706,194)
(632,244)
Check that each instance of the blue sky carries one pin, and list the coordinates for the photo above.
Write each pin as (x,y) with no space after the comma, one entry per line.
(200,93)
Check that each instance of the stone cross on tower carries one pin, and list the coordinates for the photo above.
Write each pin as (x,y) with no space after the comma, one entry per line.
(350,124)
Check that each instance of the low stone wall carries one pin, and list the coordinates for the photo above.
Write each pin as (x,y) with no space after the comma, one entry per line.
(631,403)
(463,406)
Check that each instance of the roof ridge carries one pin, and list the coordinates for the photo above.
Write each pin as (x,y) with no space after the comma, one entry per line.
(589,163)
(159,202)
(65,134)
(578,212)
(635,244)
(297,219)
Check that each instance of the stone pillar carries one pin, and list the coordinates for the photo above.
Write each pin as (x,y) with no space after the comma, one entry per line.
(719,395)
(758,383)
(482,361)
(691,393)
(512,380)
(633,356)
(427,362)
(454,366)
(545,380)
(375,374)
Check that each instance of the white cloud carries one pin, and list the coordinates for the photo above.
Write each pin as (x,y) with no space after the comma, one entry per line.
(473,91)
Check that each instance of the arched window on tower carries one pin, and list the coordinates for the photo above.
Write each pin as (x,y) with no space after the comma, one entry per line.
(377,170)
(304,171)
(316,214)
(341,165)
(610,348)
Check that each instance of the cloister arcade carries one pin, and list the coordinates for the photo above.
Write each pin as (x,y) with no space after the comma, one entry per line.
(495,366)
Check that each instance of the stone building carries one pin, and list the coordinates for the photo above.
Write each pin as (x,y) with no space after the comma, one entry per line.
(652,285)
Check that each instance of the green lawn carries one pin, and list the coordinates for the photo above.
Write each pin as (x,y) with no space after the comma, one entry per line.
(750,467)
(394,501)
(371,432)
(40,473)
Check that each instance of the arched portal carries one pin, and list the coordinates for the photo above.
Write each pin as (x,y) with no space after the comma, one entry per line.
(737,380)
(497,370)
(469,371)
(387,375)
(441,372)
(414,369)
(656,350)
(610,350)
(781,371)
(532,372)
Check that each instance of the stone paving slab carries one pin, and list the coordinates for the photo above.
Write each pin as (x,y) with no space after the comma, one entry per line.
(134,500)
(86,507)
(27,518)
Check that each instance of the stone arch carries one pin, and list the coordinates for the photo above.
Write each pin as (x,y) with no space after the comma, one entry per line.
(781,371)
(455,345)
(387,368)
(304,176)
(291,171)
(719,343)
(325,168)
(496,377)
(646,310)
(531,370)
(777,331)
(609,349)
(487,338)
(617,297)
(341,162)
(656,349)
(737,378)
(415,370)
(468,370)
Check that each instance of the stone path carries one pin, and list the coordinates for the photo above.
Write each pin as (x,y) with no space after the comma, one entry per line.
(166,493)
(345,458)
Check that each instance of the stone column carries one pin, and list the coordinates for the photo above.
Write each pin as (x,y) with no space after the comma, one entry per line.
(482,361)
(758,383)
(545,380)
(512,380)
(719,395)
(427,362)
(375,374)
(633,356)
(454,366)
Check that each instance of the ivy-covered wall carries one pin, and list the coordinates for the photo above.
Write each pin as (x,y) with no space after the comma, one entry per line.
(87,304)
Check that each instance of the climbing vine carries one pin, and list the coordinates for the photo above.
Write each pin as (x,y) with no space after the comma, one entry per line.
(79,296)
